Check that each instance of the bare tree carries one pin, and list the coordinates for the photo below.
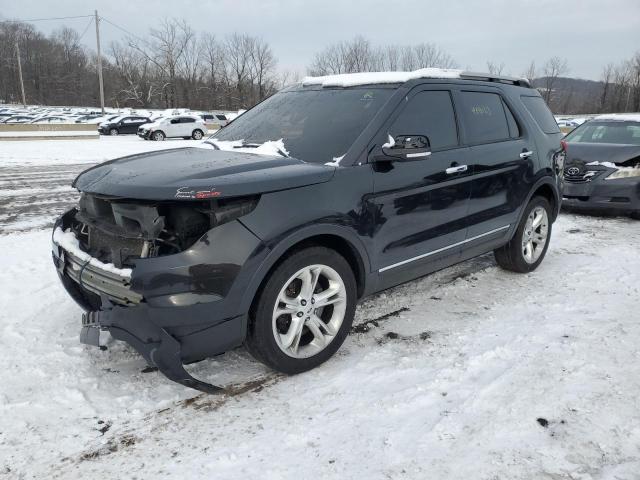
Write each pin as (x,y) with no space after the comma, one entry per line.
(263,63)
(495,68)
(358,55)
(607,73)
(554,67)
(530,72)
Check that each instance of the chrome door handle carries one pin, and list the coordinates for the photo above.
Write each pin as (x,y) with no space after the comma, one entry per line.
(458,169)
(526,154)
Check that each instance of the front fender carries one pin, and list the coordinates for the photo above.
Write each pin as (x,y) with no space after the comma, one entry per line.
(279,247)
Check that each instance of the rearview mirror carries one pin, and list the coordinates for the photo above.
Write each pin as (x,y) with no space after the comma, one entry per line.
(407,147)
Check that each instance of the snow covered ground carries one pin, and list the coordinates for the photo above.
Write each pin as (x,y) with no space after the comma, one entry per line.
(470,373)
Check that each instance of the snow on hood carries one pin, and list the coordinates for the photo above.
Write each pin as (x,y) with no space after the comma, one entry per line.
(69,242)
(273,148)
(622,172)
(368,78)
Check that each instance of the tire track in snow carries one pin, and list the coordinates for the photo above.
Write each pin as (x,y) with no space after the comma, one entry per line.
(32,196)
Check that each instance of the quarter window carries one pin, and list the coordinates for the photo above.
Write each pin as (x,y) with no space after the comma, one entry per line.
(541,114)
(429,113)
(483,117)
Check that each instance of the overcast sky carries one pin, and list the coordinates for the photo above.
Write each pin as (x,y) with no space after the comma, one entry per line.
(588,33)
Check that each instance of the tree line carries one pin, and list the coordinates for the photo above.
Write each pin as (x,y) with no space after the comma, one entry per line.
(172,66)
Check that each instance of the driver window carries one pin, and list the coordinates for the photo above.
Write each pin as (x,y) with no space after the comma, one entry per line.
(428,113)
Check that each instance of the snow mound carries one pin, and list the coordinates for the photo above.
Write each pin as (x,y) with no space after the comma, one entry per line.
(68,241)
(369,78)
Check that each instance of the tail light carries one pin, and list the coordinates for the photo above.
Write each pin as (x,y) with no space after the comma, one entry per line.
(559,157)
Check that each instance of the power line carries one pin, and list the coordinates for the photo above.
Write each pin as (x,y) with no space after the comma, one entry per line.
(44,19)
(123,29)
(85,30)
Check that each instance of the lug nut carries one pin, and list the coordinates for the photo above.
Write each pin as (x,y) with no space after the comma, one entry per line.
(300,314)
(313,300)
(303,302)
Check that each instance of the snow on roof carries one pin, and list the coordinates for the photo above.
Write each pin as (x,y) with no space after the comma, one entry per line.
(625,117)
(369,78)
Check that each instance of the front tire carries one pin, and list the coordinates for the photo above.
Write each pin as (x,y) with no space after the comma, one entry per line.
(304,311)
(113,132)
(158,136)
(529,245)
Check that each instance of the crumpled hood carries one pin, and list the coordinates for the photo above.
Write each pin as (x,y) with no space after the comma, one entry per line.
(583,153)
(197,173)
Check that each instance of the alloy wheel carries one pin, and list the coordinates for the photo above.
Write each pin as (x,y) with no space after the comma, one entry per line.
(535,234)
(309,311)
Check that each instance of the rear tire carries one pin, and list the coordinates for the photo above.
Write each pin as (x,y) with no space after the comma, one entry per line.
(303,312)
(197,134)
(529,245)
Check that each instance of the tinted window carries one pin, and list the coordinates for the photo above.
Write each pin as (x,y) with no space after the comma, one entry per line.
(514,130)
(431,114)
(541,114)
(622,133)
(315,125)
(187,120)
(221,117)
(483,117)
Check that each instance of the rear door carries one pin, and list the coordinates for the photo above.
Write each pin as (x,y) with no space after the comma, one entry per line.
(421,205)
(502,153)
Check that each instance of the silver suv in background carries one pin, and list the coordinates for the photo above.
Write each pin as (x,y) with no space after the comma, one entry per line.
(181,126)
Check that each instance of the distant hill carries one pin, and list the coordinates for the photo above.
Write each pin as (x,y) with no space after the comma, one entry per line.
(572,95)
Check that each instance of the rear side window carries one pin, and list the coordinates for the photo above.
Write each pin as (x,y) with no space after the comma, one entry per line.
(221,117)
(429,113)
(483,117)
(541,114)
(187,120)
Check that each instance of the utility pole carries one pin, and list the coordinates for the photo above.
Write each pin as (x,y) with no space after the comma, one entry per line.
(24,101)
(99,62)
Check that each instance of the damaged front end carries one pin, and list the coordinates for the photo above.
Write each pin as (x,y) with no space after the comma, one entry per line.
(602,179)
(152,273)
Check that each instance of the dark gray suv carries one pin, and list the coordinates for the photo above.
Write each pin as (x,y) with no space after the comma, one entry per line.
(270,231)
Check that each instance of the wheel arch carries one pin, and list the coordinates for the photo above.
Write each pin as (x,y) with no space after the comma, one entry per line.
(544,187)
(336,238)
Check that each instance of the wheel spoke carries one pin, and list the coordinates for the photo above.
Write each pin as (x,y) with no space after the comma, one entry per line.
(309,279)
(328,328)
(318,336)
(528,250)
(537,220)
(328,296)
(291,339)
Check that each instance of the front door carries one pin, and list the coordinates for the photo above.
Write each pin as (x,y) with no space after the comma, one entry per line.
(421,204)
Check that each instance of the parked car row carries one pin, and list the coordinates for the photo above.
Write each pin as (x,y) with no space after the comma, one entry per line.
(50,115)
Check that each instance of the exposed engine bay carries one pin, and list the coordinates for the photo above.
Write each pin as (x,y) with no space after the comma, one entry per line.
(116,230)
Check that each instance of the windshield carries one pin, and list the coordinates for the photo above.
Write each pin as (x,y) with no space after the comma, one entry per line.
(621,133)
(314,125)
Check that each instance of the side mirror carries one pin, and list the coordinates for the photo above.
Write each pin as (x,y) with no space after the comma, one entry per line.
(406,148)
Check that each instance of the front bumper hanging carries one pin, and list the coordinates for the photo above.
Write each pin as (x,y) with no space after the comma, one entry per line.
(158,347)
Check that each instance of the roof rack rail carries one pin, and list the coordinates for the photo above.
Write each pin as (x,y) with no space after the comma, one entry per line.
(488,77)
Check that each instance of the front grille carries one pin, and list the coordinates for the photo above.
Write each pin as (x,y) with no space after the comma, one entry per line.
(583,176)
(115,287)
